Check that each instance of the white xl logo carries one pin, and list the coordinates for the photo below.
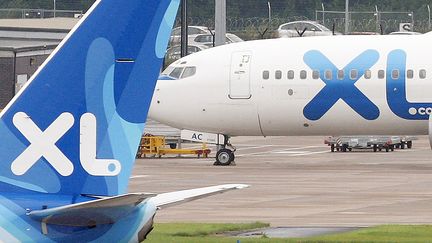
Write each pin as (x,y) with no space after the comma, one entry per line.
(43,145)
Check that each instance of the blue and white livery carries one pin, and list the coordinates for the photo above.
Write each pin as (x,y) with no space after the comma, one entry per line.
(332,85)
(69,138)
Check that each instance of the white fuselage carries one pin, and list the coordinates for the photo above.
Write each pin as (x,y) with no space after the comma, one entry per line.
(336,85)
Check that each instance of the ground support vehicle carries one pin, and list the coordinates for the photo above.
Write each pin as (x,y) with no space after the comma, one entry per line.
(376,143)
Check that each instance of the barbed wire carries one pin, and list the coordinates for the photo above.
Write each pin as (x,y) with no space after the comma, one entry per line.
(250,27)
(246,27)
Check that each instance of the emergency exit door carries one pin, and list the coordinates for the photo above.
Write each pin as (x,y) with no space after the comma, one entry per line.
(240,87)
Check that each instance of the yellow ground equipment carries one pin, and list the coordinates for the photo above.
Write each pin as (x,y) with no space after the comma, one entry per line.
(156,146)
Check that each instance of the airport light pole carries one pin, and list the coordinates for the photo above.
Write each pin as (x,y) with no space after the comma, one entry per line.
(323,13)
(220,22)
(346,17)
(54,8)
(184,29)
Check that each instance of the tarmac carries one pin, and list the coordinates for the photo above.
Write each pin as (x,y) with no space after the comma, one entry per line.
(298,182)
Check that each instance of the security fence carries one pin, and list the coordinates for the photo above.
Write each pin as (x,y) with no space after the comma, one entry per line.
(38,13)
(377,21)
(381,22)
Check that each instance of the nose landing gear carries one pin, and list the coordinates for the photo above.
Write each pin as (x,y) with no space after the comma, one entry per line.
(225,154)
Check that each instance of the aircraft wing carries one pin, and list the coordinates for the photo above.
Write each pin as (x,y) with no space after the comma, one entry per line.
(97,212)
(173,198)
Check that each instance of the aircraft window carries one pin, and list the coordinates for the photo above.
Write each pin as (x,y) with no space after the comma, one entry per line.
(176,73)
(368,74)
(395,74)
(410,73)
(422,73)
(189,72)
(381,74)
(303,74)
(290,74)
(328,74)
(315,74)
(278,74)
(266,75)
(341,74)
(354,74)
(168,70)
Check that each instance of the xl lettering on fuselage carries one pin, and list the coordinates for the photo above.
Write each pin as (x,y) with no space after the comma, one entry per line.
(345,89)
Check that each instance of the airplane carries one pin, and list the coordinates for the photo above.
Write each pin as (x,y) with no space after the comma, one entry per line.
(350,85)
(70,136)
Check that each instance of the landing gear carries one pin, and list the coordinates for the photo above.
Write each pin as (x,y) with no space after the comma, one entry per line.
(224,155)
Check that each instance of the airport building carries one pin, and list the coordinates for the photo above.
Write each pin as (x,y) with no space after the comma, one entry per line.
(24,46)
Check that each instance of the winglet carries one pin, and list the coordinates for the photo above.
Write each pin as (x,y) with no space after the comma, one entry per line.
(173,198)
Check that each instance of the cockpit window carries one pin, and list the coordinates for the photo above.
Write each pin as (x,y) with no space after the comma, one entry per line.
(176,73)
(189,72)
(168,70)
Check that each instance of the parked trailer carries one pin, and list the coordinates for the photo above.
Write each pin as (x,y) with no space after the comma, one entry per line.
(376,143)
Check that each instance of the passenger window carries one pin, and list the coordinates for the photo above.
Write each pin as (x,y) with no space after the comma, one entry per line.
(341,74)
(410,73)
(422,73)
(315,74)
(278,74)
(354,74)
(368,74)
(176,73)
(189,72)
(290,74)
(328,75)
(303,74)
(266,75)
(381,74)
(395,74)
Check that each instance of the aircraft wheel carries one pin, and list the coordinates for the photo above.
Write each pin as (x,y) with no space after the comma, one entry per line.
(224,157)
(409,144)
(344,148)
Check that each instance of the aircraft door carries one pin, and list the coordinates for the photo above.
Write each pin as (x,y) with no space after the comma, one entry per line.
(240,87)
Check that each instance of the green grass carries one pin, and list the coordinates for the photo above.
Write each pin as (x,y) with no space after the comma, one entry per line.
(208,233)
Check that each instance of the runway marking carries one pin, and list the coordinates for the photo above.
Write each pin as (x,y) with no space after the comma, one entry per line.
(284,151)
(352,213)
(292,152)
(138,176)
(255,147)
(275,145)
(311,153)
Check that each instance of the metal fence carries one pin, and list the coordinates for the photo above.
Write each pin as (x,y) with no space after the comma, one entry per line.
(253,28)
(38,13)
(376,21)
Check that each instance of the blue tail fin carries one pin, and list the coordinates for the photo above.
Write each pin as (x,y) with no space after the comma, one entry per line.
(75,127)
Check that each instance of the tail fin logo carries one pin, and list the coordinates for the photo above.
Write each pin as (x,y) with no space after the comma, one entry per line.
(43,144)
